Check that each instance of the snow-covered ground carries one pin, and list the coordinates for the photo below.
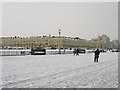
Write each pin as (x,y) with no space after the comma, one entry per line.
(60,71)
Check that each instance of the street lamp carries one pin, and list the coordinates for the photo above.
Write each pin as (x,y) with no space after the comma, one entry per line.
(59,41)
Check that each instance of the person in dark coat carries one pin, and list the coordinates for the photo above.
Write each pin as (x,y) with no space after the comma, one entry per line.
(97,52)
(64,51)
(77,51)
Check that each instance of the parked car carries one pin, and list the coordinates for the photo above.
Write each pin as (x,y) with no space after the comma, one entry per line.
(118,50)
(90,50)
(38,51)
(102,50)
(81,50)
(114,50)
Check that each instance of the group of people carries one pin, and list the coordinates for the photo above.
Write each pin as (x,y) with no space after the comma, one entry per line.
(96,56)
(76,51)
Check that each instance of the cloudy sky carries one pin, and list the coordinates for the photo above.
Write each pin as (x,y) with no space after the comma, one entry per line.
(84,19)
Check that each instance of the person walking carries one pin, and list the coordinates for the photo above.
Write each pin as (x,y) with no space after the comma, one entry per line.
(64,51)
(74,51)
(97,52)
(77,52)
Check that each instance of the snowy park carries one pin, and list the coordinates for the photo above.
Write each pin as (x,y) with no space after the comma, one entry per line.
(60,71)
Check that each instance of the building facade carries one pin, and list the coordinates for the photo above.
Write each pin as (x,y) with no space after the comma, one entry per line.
(102,41)
(51,41)
(115,44)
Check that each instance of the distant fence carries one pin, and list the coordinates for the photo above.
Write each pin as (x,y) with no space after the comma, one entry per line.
(27,52)
(57,51)
(14,52)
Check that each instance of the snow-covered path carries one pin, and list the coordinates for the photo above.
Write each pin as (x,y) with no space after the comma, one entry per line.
(61,71)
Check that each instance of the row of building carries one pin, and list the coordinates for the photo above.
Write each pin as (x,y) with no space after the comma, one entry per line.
(114,44)
(102,42)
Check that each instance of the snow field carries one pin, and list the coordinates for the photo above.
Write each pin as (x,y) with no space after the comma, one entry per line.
(60,71)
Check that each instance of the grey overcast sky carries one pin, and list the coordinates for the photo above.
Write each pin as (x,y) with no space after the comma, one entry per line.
(84,19)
